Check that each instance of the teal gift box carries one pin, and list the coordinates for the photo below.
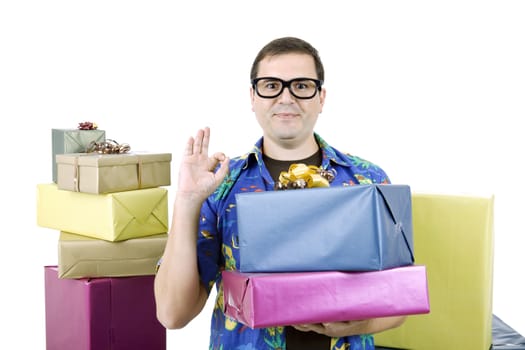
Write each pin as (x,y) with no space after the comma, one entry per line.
(72,141)
(352,228)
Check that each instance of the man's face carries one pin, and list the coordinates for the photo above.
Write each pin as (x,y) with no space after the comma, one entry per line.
(285,118)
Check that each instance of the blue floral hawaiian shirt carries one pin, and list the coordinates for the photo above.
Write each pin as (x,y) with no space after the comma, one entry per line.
(218,249)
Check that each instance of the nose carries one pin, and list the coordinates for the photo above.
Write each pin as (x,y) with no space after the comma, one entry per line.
(286,96)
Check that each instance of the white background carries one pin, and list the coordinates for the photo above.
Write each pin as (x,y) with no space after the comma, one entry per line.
(431,91)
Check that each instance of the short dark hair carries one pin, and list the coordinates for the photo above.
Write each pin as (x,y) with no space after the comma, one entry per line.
(288,45)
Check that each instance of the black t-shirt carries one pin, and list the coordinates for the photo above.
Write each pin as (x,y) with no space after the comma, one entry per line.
(275,167)
(295,339)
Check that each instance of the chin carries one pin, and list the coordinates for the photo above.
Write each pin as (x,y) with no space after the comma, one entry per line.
(284,136)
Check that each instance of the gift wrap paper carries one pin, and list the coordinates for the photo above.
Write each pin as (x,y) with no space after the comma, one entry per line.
(354,228)
(453,237)
(101,313)
(112,217)
(281,298)
(81,256)
(107,173)
(72,141)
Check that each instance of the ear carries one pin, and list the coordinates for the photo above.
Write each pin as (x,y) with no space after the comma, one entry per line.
(252,97)
(322,96)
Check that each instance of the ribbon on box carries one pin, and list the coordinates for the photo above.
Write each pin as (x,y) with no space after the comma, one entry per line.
(87,126)
(108,147)
(76,174)
(301,176)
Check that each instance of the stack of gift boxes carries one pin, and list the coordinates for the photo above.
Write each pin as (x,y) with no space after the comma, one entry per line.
(111,208)
(312,255)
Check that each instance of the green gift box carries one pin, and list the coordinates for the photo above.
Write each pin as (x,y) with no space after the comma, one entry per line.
(72,141)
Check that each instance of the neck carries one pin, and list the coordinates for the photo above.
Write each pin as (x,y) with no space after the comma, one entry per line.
(289,150)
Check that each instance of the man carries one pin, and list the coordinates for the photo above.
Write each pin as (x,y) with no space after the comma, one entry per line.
(287,97)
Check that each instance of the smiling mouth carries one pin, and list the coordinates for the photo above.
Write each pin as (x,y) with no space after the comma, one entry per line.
(286,115)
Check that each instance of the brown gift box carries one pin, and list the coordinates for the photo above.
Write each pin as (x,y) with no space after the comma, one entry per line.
(72,141)
(108,173)
(80,256)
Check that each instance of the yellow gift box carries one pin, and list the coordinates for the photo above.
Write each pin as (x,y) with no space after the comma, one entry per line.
(81,256)
(112,217)
(453,238)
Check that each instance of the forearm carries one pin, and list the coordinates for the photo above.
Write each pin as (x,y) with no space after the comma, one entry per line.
(349,328)
(380,324)
(178,293)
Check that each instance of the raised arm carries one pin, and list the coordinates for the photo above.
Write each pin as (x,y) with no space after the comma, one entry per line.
(179,295)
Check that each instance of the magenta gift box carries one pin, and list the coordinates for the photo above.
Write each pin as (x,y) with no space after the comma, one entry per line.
(101,313)
(278,299)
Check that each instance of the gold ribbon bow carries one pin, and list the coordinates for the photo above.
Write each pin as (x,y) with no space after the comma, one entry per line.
(300,175)
(107,147)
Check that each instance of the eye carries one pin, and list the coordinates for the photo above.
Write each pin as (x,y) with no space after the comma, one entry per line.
(303,85)
(272,85)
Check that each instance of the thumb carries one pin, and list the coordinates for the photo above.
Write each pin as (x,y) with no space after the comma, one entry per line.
(224,167)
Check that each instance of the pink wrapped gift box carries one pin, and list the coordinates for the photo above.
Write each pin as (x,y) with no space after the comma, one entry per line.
(101,313)
(278,299)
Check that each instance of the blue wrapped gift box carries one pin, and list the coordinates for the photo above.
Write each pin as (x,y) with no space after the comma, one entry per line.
(353,228)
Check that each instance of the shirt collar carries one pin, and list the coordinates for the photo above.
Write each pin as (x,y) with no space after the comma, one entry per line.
(329,154)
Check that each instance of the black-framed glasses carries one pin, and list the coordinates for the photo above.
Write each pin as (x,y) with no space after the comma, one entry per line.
(301,88)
